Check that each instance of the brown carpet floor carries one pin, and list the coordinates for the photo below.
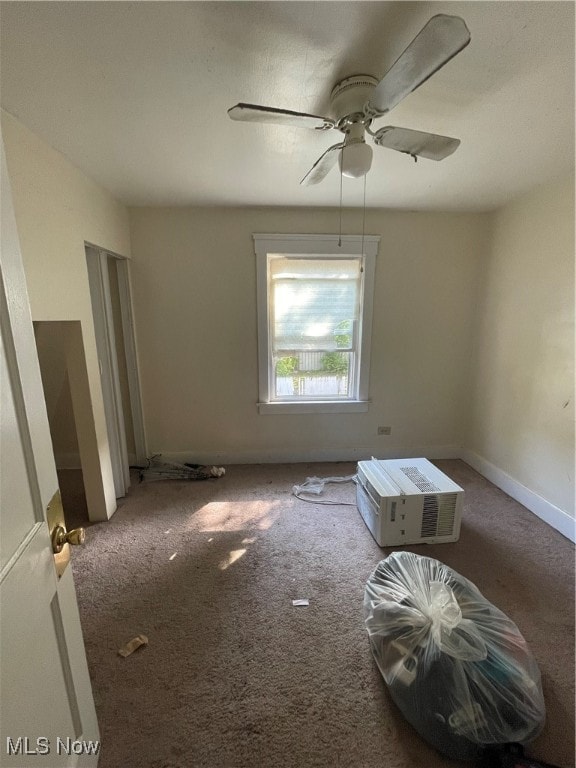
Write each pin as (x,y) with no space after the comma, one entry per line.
(234,676)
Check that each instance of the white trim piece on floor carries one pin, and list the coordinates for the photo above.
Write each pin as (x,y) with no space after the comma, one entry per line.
(545,510)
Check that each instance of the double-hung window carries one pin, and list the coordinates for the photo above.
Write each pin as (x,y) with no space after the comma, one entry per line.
(314,321)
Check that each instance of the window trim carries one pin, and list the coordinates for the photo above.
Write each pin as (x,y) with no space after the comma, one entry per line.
(315,245)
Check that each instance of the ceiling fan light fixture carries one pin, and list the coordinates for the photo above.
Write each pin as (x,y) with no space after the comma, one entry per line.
(355,160)
(357,100)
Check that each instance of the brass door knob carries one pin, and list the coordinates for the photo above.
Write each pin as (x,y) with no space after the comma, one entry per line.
(76,536)
(61,536)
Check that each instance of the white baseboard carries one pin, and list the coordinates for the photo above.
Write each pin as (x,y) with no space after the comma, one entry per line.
(542,508)
(305,455)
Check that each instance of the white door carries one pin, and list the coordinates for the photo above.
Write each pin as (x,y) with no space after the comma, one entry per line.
(46,704)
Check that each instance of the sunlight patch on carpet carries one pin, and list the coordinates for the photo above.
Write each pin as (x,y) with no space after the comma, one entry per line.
(234,555)
(235,516)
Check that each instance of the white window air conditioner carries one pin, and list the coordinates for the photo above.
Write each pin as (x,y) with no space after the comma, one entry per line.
(408,501)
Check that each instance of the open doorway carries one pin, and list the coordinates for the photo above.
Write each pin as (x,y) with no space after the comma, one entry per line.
(68,403)
(113,325)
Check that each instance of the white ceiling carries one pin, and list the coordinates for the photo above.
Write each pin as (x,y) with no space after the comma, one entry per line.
(136,94)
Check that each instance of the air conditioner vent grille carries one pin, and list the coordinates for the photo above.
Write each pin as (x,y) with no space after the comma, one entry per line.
(420,480)
(438,515)
(447,516)
(429,516)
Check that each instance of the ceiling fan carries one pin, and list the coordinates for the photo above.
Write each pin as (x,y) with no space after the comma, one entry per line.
(357,100)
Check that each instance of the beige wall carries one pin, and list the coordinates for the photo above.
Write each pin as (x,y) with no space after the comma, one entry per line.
(194,281)
(522,406)
(57,209)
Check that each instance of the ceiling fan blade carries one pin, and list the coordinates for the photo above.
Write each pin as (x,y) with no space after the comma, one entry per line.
(416,143)
(254,113)
(436,43)
(322,166)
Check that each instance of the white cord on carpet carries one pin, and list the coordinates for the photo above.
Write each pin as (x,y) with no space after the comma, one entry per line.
(315,485)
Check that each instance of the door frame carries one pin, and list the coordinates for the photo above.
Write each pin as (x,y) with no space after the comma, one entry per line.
(129,335)
(99,280)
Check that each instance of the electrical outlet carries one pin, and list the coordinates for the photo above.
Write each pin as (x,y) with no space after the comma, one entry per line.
(384,430)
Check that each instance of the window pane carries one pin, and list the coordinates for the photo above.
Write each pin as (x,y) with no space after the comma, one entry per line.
(314,375)
(314,303)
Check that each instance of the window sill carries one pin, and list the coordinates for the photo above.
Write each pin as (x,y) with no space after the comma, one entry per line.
(316,406)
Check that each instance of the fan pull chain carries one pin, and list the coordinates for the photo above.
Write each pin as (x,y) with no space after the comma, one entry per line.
(363,215)
(340,232)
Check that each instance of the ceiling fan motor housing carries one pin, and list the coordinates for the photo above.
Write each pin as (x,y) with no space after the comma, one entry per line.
(349,96)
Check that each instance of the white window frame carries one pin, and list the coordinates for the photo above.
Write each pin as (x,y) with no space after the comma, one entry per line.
(314,245)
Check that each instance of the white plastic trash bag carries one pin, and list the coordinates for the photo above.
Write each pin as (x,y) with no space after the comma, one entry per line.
(457,667)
